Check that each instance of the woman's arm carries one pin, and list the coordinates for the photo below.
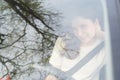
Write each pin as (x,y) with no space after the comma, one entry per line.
(56,58)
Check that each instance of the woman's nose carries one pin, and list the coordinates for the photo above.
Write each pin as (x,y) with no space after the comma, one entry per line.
(80,33)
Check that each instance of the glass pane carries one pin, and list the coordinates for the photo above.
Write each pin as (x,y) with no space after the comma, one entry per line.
(62,40)
(82,31)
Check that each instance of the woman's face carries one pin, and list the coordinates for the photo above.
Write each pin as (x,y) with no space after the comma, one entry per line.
(84,29)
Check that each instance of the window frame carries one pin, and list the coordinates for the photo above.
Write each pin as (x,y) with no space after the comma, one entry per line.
(113,7)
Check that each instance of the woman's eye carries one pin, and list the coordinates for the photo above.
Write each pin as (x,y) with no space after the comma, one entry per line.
(82,26)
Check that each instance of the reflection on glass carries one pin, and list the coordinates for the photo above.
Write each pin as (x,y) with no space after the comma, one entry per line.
(80,53)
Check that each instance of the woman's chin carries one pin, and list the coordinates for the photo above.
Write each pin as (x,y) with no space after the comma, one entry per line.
(86,42)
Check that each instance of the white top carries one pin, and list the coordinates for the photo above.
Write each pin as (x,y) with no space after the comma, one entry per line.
(89,71)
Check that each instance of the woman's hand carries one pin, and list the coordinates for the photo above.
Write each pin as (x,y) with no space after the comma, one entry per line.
(51,77)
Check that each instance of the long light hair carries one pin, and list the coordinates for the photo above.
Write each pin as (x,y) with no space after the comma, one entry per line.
(70,46)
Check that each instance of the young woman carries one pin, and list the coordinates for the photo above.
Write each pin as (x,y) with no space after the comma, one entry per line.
(88,34)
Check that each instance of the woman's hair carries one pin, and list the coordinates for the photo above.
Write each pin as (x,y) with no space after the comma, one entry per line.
(71,46)
(90,9)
